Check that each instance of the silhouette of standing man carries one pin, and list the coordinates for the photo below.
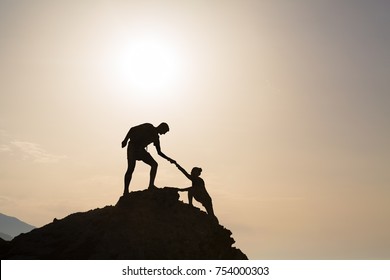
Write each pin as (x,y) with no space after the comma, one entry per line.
(140,137)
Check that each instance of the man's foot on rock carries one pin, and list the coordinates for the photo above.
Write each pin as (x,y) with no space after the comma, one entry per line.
(152,187)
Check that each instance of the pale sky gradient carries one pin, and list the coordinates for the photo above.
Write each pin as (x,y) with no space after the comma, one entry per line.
(284,104)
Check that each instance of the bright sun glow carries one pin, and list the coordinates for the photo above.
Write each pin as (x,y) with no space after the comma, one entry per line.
(148,65)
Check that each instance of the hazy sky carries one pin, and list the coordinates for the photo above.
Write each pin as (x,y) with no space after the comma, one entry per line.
(284,104)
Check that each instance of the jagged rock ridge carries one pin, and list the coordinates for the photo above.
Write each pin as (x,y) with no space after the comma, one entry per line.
(143,225)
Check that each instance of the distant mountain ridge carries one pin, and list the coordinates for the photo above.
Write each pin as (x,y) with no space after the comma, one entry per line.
(5,236)
(11,226)
(149,224)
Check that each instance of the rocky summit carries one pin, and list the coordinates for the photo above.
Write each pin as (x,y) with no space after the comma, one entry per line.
(145,225)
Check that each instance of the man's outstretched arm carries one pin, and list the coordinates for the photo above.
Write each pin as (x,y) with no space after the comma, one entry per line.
(183,170)
(161,154)
(184,190)
(124,142)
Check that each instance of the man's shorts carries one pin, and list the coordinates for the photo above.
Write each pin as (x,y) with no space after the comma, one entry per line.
(137,153)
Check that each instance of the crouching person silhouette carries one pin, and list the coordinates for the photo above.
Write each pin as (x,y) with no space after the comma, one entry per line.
(198,189)
(140,137)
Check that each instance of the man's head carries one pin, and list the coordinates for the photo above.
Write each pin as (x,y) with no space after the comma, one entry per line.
(162,128)
(196,171)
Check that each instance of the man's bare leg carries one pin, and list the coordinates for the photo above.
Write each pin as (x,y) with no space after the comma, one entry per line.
(153,172)
(128,175)
(153,169)
(190,196)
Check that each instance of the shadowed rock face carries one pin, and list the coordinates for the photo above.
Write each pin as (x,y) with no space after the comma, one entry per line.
(143,225)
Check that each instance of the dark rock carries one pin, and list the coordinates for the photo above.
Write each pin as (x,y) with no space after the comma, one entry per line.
(4,245)
(150,224)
